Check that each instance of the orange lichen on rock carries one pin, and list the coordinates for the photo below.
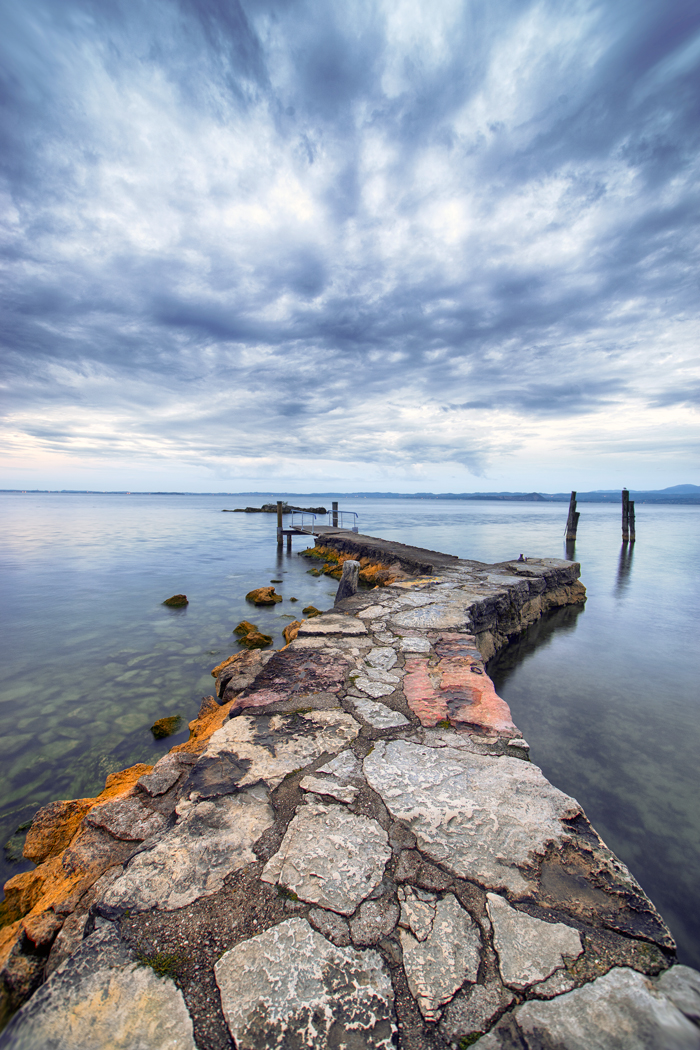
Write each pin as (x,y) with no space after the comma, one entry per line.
(291,630)
(372,573)
(237,657)
(59,842)
(263,596)
(202,728)
(53,828)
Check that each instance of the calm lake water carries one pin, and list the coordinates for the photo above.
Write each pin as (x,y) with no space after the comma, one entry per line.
(606,694)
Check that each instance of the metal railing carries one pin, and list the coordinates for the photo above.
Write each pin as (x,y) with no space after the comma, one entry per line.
(304,521)
(343,519)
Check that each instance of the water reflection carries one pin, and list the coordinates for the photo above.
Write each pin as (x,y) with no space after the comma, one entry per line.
(536,638)
(624,568)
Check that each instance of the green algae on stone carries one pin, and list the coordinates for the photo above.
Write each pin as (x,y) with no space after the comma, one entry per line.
(163,727)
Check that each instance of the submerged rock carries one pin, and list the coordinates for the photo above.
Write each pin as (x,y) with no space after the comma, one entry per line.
(177,600)
(249,635)
(163,727)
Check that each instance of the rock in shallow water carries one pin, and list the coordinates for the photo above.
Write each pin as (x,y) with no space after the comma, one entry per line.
(290,987)
(176,601)
(163,727)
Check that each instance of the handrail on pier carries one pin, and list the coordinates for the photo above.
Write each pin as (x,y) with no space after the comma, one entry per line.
(304,521)
(338,519)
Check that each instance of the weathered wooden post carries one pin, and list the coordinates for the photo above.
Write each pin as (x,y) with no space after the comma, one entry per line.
(572,520)
(348,581)
(625,516)
(630,519)
(335,514)
(279,522)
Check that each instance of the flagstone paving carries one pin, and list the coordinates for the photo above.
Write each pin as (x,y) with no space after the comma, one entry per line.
(353,852)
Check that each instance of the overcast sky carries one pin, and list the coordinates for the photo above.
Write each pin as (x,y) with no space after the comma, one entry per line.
(411,245)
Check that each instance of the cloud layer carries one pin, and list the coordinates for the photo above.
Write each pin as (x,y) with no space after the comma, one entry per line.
(350,243)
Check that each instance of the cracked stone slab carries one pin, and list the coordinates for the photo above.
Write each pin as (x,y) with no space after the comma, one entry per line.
(377,674)
(481,817)
(335,778)
(101,997)
(557,984)
(372,687)
(373,612)
(290,987)
(435,616)
(127,818)
(329,786)
(622,1010)
(266,748)
(378,715)
(330,624)
(418,909)
(528,949)
(415,645)
(166,772)
(457,689)
(330,857)
(334,927)
(192,859)
(474,1010)
(373,920)
(437,966)
(383,658)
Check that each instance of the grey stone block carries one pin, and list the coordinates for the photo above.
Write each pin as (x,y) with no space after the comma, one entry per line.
(290,987)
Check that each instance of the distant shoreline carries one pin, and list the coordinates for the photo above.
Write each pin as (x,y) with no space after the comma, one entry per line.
(677,495)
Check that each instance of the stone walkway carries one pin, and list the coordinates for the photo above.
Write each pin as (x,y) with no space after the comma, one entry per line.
(361,855)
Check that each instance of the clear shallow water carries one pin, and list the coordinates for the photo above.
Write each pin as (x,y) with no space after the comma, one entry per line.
(606,695)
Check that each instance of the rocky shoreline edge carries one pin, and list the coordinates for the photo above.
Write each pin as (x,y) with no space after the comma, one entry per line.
(352,850)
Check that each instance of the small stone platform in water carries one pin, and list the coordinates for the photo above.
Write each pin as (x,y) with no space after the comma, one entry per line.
(353,851)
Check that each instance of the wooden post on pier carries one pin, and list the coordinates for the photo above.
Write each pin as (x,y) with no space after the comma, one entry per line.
(630,519)
(279,523)
(572,520)
(625,516)
(335,513)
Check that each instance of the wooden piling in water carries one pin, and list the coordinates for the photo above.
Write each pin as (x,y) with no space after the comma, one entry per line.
(625,516)
(630,519)
(335,514)
(572,520)
(279,523)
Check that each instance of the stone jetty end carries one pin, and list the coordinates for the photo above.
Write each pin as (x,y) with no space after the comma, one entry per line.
(352,851)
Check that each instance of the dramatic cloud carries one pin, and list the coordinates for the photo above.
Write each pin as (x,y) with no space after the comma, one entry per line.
(398,245)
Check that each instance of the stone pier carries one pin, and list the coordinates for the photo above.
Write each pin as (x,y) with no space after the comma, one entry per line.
(353,851)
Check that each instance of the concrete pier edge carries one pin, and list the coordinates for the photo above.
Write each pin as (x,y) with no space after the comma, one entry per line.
(352,850)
